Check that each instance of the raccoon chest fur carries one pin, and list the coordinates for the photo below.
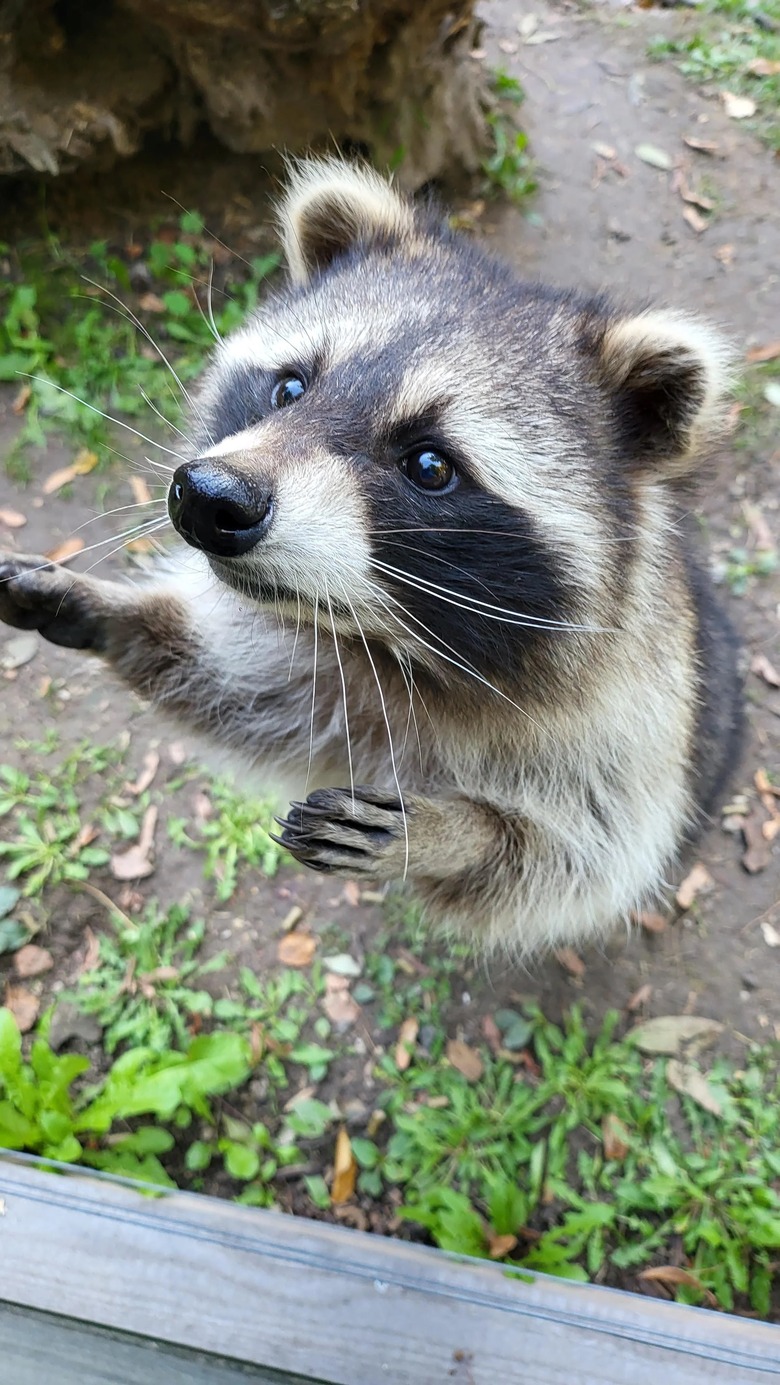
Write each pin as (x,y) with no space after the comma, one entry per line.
(440,579)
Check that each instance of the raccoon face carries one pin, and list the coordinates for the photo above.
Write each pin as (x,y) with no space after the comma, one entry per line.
(411,446)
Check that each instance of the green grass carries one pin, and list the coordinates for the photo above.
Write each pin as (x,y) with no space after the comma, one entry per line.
(237,832)
(78,340)
(727,39)
(508,168)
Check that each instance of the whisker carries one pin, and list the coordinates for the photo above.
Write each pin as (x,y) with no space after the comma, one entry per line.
(104,514)
(343,694)
(163,419)
(389,732)
(483,608)
(42,380)
(313,698)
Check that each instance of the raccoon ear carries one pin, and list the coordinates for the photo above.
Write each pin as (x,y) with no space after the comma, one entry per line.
(669,376)
(329,206)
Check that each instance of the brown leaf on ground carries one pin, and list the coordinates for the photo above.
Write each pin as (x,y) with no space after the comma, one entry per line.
(695,220)
(22,400)
(352,893)
(141,492)
(465,1059)
(134,864)
(698,881)
(758,851)
(725,256)
(150,767)
(12,519)
(670,1275)
(160,974)
(84,462)
(702,146)
(499,1246)
(760,532)
(32,961)
(770,934)
(763,67)
(762,668)
(407,1038)
(770,351)
(652,923)
(24,1006)
(669,1033)
(151,303)
(67,549)
(291,918)
(569,960)
(687,1079)
(639,998)
(340,1007)
(296,949)
(492,1034)
(92,952)
(87,834)
(614,1137)
(344,1170)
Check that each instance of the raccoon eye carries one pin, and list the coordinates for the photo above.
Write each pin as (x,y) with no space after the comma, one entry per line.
(428,469)
(286,391)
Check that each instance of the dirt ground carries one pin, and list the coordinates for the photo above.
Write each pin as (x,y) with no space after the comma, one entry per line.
(597,222)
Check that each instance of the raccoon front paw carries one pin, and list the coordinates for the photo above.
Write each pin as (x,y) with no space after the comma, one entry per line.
(346,833)
(36,594)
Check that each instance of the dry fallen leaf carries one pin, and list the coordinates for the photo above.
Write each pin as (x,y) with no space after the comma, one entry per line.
(352,892)
(84,462)
(67,549)
(770,351)
(615,1137)
(92,952)
(465,1059)
(695,220)
(407,1038)
(725,256)
(639,998)
(737,107)
(344,1170)
(24,1006)
(761,666)
(291,918)
(151,303)
(758,852)
(697,881)
(652,923)
(763,67)
(702,146)
(340,1007)
(32,961)
(492,1034)
(668,1033)
(145,778)
(671,1275)
(605,151)
(760,532)
(499,1246)
(12,519)
(296,949)
(770,934)
(568,959)
(141,492)
(687,1079)
(22,399)
(134,864)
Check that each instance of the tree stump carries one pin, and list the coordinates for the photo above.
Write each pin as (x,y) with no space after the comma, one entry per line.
(85,80)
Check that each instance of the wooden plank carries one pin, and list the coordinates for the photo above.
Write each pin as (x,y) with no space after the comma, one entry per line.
(38,1347)
(346,1308)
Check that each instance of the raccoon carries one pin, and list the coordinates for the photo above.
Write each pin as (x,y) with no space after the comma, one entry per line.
(441,581)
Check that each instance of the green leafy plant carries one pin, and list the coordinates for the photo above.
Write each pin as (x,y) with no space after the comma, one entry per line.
(509,166)
(46,1111)
(236,834)
(142,990)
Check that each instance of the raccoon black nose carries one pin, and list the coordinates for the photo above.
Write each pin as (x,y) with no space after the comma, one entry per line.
(217,509)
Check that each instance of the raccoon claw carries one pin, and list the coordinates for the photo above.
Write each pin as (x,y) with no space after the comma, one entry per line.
(36,594)
(337,830)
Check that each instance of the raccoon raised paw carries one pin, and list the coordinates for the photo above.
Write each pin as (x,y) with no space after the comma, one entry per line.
(36,594)
(346,832)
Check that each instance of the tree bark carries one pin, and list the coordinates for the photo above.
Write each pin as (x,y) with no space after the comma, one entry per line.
(86,80)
